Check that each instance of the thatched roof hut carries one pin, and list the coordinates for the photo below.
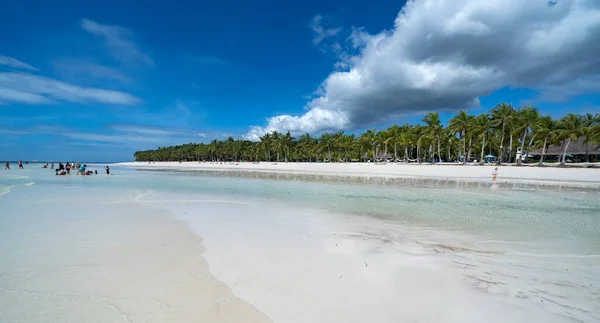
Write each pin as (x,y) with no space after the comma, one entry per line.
(575,148)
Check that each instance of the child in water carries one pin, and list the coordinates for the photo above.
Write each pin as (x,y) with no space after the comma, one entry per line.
(495,173)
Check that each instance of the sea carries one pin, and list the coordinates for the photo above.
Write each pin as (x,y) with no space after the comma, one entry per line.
(415,251)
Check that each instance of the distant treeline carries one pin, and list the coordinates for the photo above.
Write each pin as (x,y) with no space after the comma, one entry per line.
(501,132)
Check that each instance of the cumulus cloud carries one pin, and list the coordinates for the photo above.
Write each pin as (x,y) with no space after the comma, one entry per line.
(15,63)
(119,43)
(444,55)
(312,121)
(32,89)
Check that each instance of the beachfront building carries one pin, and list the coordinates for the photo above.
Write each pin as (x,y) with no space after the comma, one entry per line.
(577,151)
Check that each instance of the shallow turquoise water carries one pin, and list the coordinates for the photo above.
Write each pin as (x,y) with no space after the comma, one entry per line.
(526,242)
(563,217)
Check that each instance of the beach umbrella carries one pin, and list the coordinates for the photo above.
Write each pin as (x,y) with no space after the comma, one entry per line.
(489,156)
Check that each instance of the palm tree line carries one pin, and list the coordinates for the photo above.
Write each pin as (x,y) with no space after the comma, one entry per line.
(499,132)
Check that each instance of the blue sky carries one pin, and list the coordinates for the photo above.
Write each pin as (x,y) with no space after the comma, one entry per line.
(99,81)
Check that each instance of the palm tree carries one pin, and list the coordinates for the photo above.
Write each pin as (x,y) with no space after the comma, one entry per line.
(545,128)
(483,126)
(406,140)
(382,141)
(450,140)
(570,129)
(434,125)
(337,139)
(527,117)
(368,137)
(503,114)
(306,145)
(277,142)
(595,132)
(460,124)
(395,133)
(346,142)
(327,141)
(265,142)
(418,134)
(286,142)
(588,131)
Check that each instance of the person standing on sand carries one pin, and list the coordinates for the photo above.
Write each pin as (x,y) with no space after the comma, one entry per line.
(7,166)
(494,174)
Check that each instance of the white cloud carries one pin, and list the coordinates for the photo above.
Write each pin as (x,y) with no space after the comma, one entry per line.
(135,136)
(156,131)
(34,130)
(321,33)
(15,63)
(80,71)
(313,121)
(139,136)
(119,43)
(444,55)
(184,107)
(23,97)
(32,89)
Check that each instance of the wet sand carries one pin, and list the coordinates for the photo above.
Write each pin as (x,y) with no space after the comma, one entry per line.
(76,260)
(577,177)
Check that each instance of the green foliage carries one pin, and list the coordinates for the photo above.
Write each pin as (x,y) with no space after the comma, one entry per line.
(465,135)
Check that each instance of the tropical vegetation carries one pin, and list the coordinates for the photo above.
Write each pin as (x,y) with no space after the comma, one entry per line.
(499,133)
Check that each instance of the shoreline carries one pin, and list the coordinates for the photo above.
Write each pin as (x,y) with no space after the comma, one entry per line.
(389,173)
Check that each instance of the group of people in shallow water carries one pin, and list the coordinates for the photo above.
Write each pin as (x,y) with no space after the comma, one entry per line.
(7,165)
(65,169)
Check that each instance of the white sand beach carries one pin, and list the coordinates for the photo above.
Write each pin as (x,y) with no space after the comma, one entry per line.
(589,177)
(106,258)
